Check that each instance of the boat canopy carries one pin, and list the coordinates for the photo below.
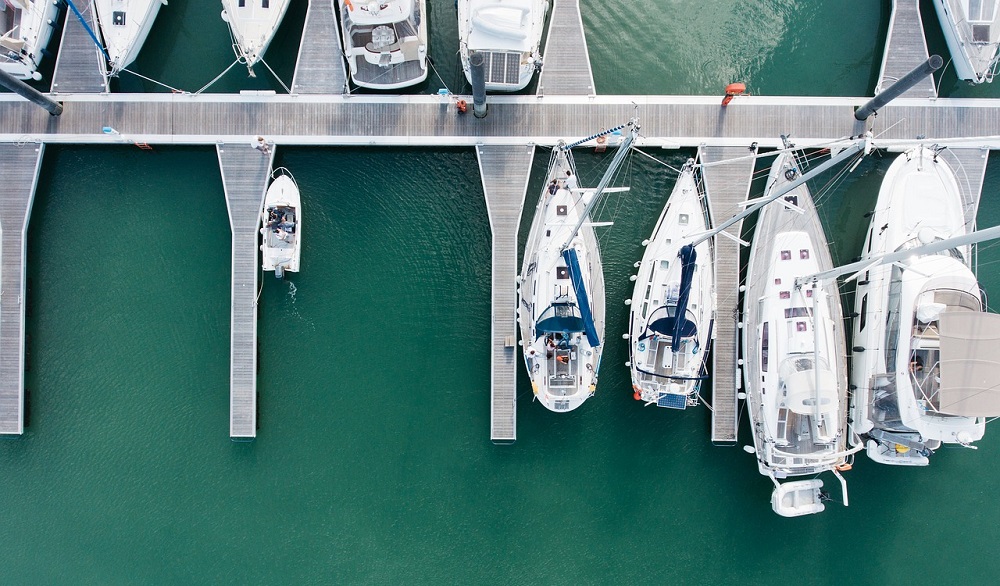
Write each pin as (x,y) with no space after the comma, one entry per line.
(569,255)
(559,318)
(970,363)
(799,376)
(687,256)
(663,321)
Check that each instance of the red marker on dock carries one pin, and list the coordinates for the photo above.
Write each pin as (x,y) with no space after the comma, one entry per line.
(733,90)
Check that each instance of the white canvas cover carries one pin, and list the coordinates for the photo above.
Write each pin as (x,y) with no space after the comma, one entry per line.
(970,364)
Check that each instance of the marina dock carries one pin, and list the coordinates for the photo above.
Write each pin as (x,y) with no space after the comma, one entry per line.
(566,62)
(726,185)
(318,70)
(905,49)
(80,64)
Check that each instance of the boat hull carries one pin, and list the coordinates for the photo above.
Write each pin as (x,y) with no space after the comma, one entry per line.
(282,226)
(253,27)
(507,34)
(973,46)
(400,59)
(37,24)
(124,26)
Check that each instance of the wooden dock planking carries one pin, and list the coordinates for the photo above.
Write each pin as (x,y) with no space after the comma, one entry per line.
(727,186)
(565,60)
(245,172)
(320,68)
(19,176)
(80,65)
(970,169)
(505,172)
(905,49)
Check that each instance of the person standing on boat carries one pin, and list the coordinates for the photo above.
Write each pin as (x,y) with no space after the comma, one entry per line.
(570,180)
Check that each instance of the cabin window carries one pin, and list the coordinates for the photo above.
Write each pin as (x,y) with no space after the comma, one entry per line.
(796,312)
(809,292)
(763,349)
(683,220)
(560,210)
(792,199)
(785,295)
(800,326)
(118,18)
(804,254)
(870,233)
(243,3)
(562,273)
(266,3)
(786,255)
(864,312)
(777,281)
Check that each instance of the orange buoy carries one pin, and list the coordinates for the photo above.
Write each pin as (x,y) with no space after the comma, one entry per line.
(461,106)
(637,396)
(843,467)
(602,144)
(732,90)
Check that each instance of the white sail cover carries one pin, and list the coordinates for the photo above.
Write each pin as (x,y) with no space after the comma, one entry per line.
(970,364)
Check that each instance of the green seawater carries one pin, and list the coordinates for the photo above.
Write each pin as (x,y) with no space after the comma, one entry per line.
(373,463)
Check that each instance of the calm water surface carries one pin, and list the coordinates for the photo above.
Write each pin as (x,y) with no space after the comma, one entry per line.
(373,464)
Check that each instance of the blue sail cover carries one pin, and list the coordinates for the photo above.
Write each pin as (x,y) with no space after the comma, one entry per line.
(688,255)
(569,255)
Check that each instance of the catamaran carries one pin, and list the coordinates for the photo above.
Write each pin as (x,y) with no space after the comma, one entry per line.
(124,26)
(282,225)
(507,33)
(926,352)
(673,304)
(25,29)
(794,350)
(561,286)
(252,24)
(972,32)
(385,42)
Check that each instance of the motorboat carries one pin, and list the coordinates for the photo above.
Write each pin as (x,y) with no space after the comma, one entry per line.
(507,34)
(385,42)
(972,32)
(25,30)
(794,349)
(281,221)
(124,26)
(672,311)
(926,352)
(560,291)
(252,24)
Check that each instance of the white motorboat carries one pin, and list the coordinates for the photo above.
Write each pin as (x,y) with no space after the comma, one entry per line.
(926,353)
(385,41)
(25,30)
(507,33)
(124,26)
(673,304)
(972,32)
(282,225)
(252,24)
(794,351)
(561,287)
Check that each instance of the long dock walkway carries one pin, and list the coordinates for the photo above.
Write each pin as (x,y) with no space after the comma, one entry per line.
(19,177)
(970,170)
(80,64)
(905,48)
(320,67)
(726,186)
(505,172)
(565,60)
(245,172)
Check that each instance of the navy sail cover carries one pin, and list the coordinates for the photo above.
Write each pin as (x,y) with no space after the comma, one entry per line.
(569,255)
(687,255)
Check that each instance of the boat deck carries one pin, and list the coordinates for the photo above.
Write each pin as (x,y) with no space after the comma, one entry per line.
(726,186)
(80,64)
(505,172)
(565,60)
(905,48)
(320,67)
(19,176)
(245,172)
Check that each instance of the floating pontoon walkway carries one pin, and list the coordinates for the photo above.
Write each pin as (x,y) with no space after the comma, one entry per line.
(905,48)
(505,172)
(320,66)
(19,176)
(565,59)
(245,172)
(80,65)
(970,170)
(726,186)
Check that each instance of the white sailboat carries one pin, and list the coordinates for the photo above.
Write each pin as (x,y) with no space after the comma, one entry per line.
(507,33)
(124,26)
(253,24)
(926,353)
(385,41)
(25,30)
(972,32)
(794,350)
(282,225)
(561,287)
(673,303)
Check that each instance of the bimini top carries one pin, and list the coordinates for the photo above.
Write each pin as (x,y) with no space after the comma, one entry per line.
(664,320)
(970,364)
(559,317)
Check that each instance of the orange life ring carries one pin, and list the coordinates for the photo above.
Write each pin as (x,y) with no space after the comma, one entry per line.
(602,139)
(843,467)
(348,4)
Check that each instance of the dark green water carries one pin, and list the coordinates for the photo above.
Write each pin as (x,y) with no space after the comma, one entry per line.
(372,463)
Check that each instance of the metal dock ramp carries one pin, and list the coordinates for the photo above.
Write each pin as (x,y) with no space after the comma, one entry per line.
(726,186)
(19,176)
(905,48)
(245,172)
(320,67)
(80,65)
(505,172)
(565,59)
(970,170)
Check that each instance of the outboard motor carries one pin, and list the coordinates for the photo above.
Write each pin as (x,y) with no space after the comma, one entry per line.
(279,272)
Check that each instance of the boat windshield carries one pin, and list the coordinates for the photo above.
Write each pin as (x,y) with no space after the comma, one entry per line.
(663,319)
(559,318)
(394,22)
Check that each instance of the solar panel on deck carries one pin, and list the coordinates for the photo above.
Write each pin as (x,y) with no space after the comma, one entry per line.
(672,401)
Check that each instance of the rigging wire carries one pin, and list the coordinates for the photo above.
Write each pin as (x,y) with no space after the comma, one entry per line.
(218,77)
(151,80)
(651,157)
(434,69)
(288,91)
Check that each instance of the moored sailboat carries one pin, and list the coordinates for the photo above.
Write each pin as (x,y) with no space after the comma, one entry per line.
(507,33)
(253,24)
(124,26)
(972,31)
(25,30)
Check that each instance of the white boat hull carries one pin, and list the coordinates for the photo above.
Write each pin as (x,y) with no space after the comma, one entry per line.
(253,26)
(282,226)
(124,26)
(972,39)
(24,35)
(385,43)
(508,34)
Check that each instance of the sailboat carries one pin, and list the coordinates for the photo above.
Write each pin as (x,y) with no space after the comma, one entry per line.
(507,33)
(124,26)
(794,350)
(385,42)
(673,303)
(972,32)
(25,30)
(926,352)
(282,225)
(252,24)
(561,286)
